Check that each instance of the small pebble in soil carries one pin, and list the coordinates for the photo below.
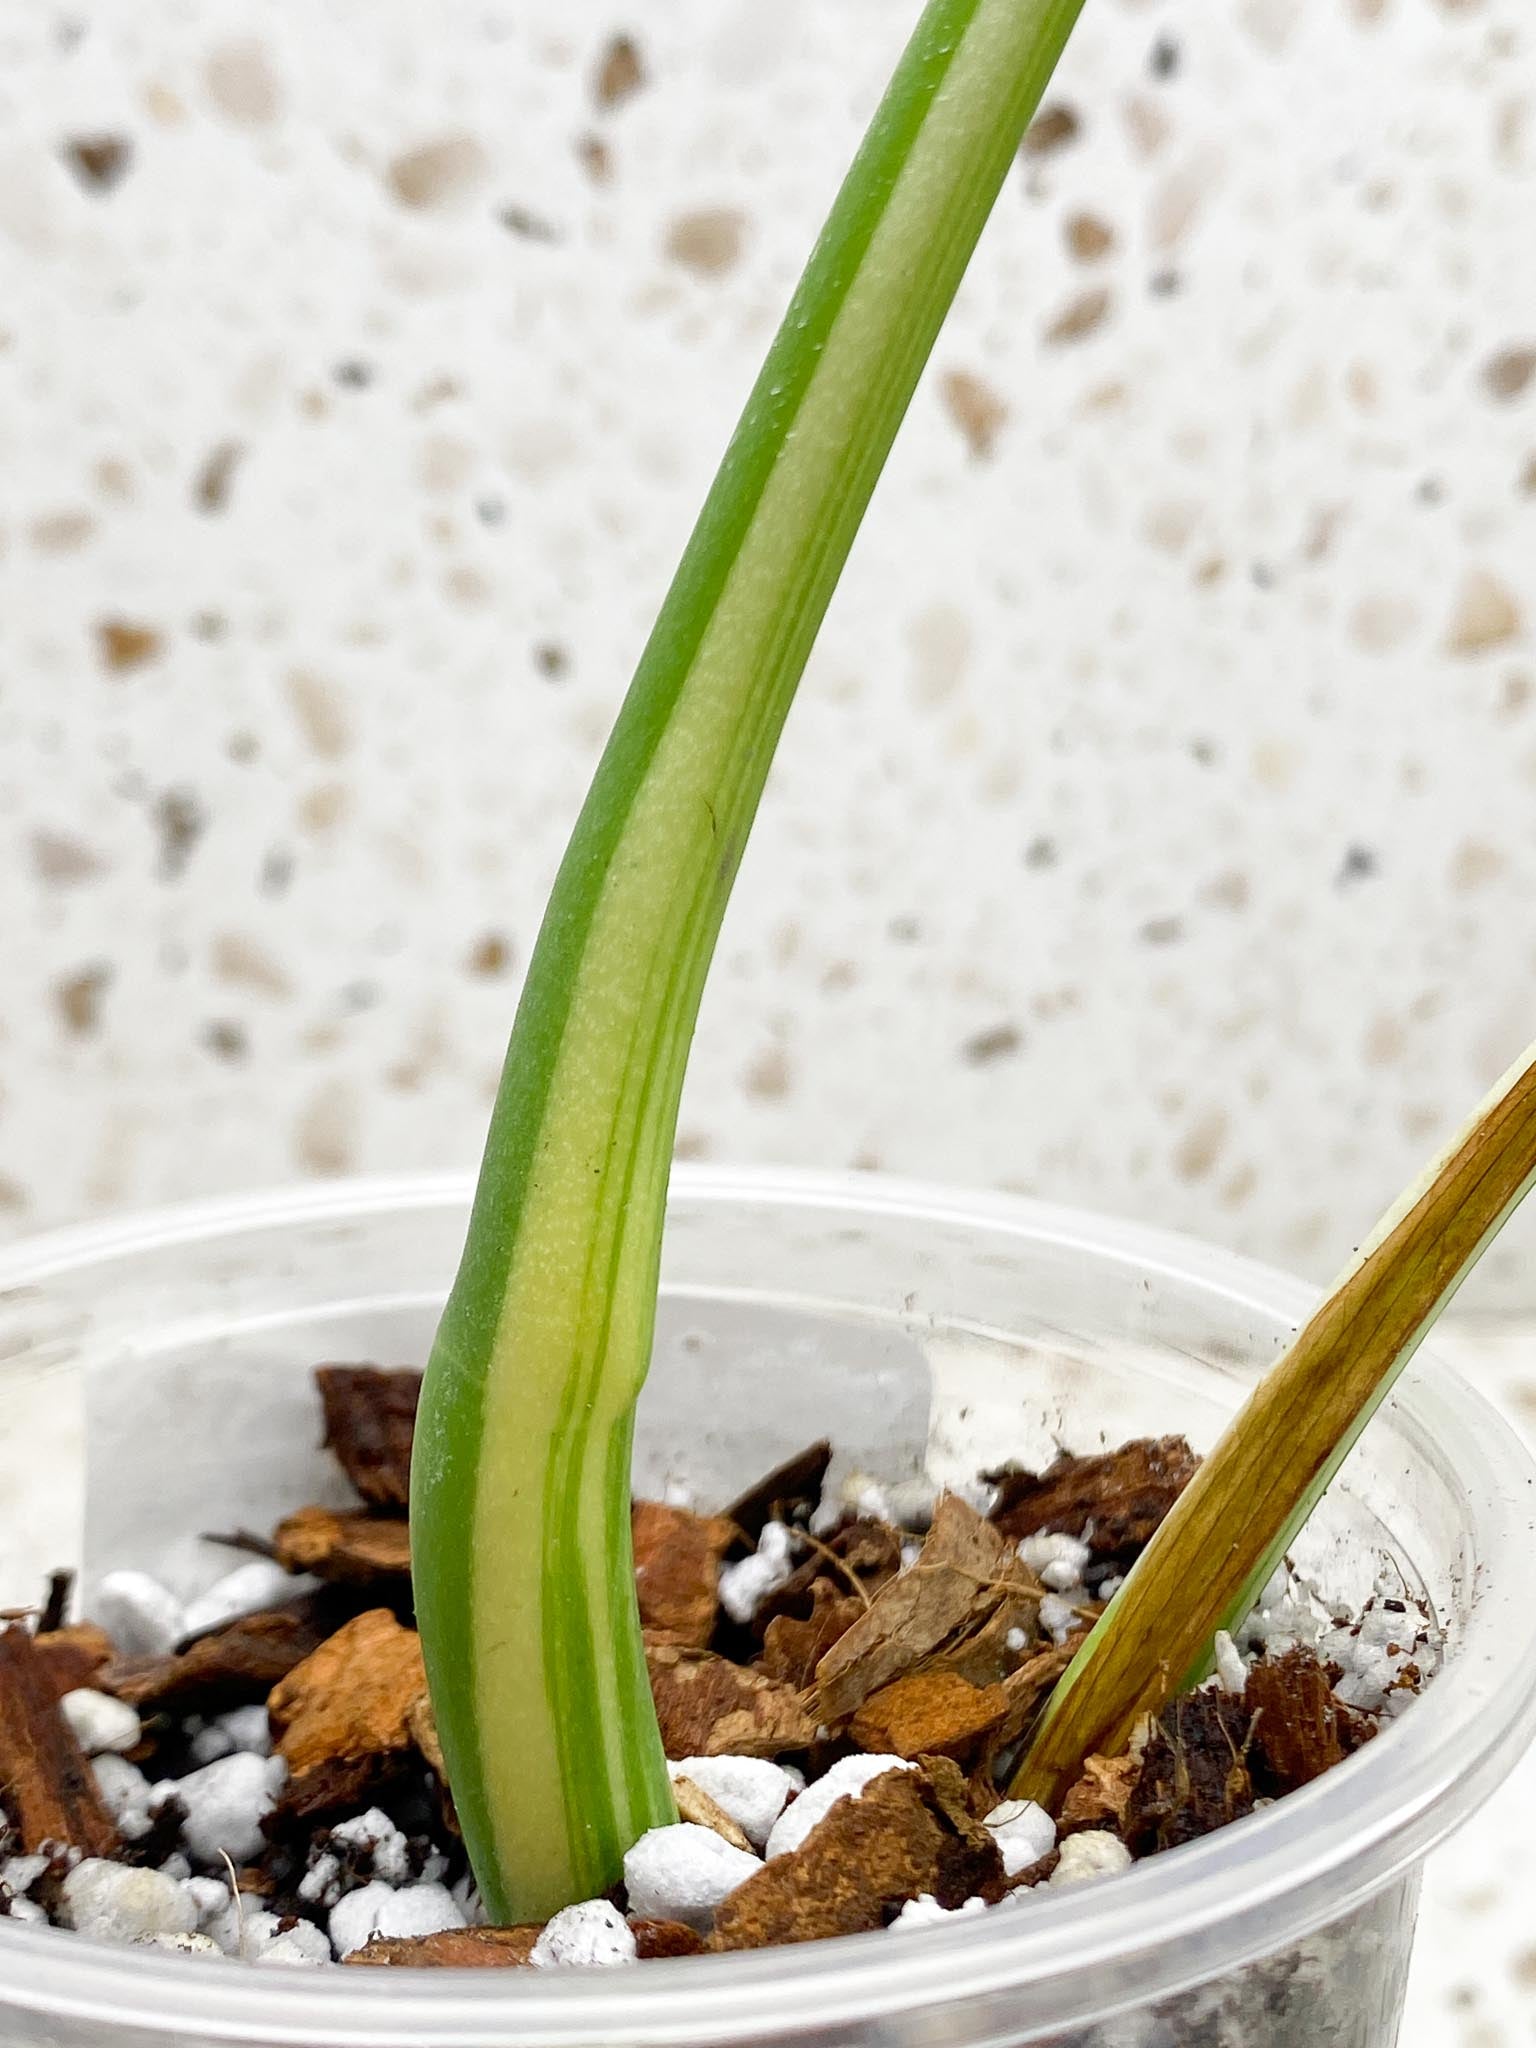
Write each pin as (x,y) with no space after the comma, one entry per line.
(1023,1831)
(378,1908)
(114,1902)
(925,1911)
(845,1780)
(752,1791)
(374,1835)
(101,1723)
(1231,1671)
(246,1930)
(225,1804)
(274,1947)
(1058,1561)
(209,1896)
(1096,1853)
(300,1947)
(743,1587)
(1058,1617)
(143,1618)
(682,1873)
(247,1590)
(18,1874)
(591,1936)
(241,1728)
(125,1794)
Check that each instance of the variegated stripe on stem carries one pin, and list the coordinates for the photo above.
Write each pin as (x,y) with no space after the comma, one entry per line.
(520,1489)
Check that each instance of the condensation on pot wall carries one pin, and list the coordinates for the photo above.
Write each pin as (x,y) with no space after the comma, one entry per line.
(1155,827)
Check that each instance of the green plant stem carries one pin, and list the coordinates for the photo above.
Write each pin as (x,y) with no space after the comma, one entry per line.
(1231,1527)
(524,1580)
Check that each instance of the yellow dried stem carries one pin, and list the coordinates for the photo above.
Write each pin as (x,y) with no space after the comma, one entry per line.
(1229,1529)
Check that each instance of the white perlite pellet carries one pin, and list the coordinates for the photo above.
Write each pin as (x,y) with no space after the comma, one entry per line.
(241,1728)
(181,1944)
(1231,1671)
(1023,1831)
(845,1780)
(1097,1853)
(300,1947)
(112,1902)
(1288,1613)
(100,1723)
(246,1930)
(375,1833)
(225,1804)
(925,1911)
(143,1618)
(1058,1561)
(125,1794)
(751,1790)
(469,1901)
(1058,1617)
(744,1586)
(378,1908)
(1373,1653)
(208,1744)
(868,1497)
(321,1883)
(249,1589)
(227,1924)
(372,1833)
(682,1873)
(209,1896)
(592,1936)
(18,1874)
(29,1911)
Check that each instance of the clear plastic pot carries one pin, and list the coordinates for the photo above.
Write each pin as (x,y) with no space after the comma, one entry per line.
(154,1383)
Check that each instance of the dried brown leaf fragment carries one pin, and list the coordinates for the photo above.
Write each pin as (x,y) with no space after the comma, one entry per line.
(370,1421)
(906,1833)
(1100,1796)
(48,1790)
(792,1647)
(708,1706)
(453,1948)
(352,1697)
(1113,1501)
(345,1546)
(233,1667)
(967,1593)
(1299,1729)
(928,1713)
(677,1571)
(1195,1775)
(788,1493)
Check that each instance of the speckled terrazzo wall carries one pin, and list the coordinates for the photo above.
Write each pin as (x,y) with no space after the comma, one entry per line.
(1158,825)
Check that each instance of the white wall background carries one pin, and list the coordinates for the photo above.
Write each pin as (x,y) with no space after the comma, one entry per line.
(1156,828)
